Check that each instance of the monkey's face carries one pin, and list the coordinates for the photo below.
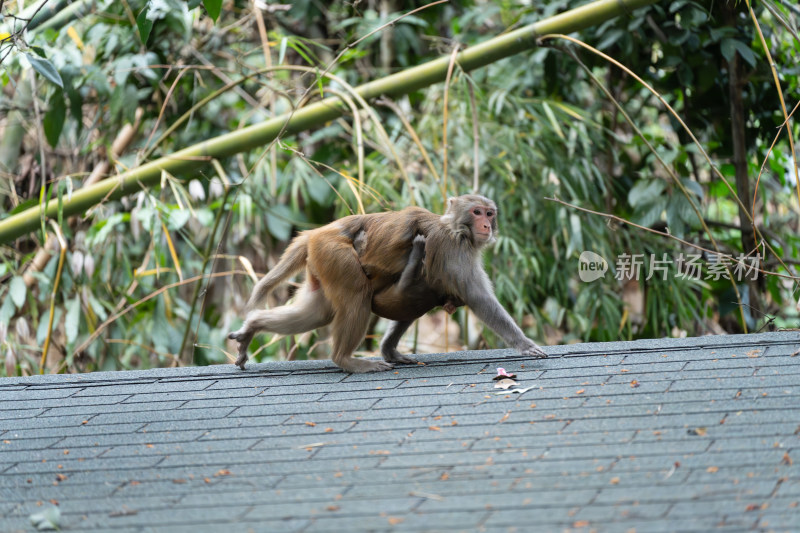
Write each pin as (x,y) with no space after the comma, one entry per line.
(472,216)
(483,223)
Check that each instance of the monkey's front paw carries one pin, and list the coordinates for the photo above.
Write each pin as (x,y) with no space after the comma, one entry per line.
(381,366)
(361,366)
(241,360)
(236,335)
(420,240)
(533,351)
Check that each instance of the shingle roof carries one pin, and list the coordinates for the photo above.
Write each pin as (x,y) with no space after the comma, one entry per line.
(666,435)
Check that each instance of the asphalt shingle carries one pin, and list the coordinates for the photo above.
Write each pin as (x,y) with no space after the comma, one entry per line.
(656,435)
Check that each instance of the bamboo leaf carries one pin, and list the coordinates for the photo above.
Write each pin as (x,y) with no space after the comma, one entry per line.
(17,291)
(213,7)
(44,67)
(72,319)
(645,191)
(278,222)
(7,311)
(144,24)
(42,329)
(54,118)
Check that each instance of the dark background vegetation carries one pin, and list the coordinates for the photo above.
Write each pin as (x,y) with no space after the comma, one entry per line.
(546,129)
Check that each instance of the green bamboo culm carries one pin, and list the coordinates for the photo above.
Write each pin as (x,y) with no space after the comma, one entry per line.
(186,160)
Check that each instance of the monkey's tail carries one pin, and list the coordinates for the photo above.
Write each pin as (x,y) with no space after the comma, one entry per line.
(292,260)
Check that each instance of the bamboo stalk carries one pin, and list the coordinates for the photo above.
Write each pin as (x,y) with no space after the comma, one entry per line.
(191,158)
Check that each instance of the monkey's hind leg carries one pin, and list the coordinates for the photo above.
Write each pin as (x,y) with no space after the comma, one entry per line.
(349,329)
(390,340)
(350,294)
(310,310)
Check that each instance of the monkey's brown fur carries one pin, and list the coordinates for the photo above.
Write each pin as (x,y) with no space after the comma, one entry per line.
(364,263)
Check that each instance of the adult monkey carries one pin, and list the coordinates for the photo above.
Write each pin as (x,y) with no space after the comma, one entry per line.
(343,285)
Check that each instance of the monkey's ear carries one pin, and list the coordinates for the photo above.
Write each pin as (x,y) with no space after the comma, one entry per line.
(449,213)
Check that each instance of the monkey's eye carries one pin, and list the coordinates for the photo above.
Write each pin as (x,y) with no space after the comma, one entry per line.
(490,214)
(476,211)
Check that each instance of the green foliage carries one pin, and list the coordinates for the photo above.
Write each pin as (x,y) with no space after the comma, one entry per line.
(545,131)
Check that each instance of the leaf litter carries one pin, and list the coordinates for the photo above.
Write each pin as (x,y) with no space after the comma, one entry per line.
(507,382)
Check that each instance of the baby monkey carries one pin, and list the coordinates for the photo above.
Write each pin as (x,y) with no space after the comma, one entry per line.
(399,265)
(406,300)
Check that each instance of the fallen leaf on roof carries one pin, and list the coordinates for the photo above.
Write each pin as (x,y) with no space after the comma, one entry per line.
(223,472)
(786,459)
(700,432)
(125,511)
(434,428)
(444,477)
(634,384)
(581,523)
(46,520)
(756,507)
(712,469)
(332,508)
(581,391)
(179,481)
(518,391)
(505,384)
(501,373)
(311,424)
(505,417)
(614,480)
(394,520)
